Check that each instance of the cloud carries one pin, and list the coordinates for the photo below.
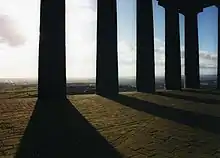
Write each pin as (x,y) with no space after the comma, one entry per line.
(9,32)
(81,34)
(127,57)
(126,53)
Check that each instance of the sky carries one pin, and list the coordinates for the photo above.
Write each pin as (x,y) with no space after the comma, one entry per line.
(19,36)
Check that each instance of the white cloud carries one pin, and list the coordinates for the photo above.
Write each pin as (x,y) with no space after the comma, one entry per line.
(22,24)
(22,61)
(207,60)
(9,33)
(81,46)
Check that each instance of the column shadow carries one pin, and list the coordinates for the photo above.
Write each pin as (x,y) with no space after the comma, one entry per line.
(192,119)
(190,98)
(213,92)
(57,129)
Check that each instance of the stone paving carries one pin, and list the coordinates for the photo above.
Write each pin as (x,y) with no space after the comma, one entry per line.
(132,125)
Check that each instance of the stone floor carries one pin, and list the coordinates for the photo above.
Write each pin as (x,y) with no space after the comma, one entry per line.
(165,125)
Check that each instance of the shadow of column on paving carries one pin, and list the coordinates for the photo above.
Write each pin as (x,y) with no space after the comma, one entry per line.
(203,91)
(57,129)
(192,119)
(188,97)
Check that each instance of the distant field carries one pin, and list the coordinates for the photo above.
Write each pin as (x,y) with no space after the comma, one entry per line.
(31,91)
(18,91)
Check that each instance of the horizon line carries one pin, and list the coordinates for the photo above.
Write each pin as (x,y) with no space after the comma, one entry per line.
(94,77)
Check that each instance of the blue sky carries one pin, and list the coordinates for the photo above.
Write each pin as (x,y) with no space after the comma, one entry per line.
(19,35)
(207,29)
(207,21)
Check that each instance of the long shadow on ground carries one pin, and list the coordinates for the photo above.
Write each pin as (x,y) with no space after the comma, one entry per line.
(203,91)
(195,120)
(191,98)
(57,129)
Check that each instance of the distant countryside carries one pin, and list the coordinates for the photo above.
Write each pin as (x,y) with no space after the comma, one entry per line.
(18,87)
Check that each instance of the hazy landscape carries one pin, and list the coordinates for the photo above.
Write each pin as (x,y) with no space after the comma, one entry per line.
(87,86)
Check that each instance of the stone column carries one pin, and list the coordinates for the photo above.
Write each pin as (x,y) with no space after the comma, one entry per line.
(107,58)
(192,79)
(218,68)
(52,64)
(145,70)
(172,49)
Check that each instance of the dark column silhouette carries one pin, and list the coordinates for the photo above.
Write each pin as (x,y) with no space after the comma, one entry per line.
(107,58)
(218,68)
(52,64)
(172,49)
(192,79)
(145,71)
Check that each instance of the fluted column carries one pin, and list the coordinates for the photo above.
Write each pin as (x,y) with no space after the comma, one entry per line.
(192,79)
(218,68)
(107,58)
(172,49)
(52,65)
(145,70)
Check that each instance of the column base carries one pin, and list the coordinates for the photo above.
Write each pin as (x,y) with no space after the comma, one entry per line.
(107,94)
(173,88)
(146,90)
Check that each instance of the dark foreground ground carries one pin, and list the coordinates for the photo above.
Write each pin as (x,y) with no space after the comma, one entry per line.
(168,124)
